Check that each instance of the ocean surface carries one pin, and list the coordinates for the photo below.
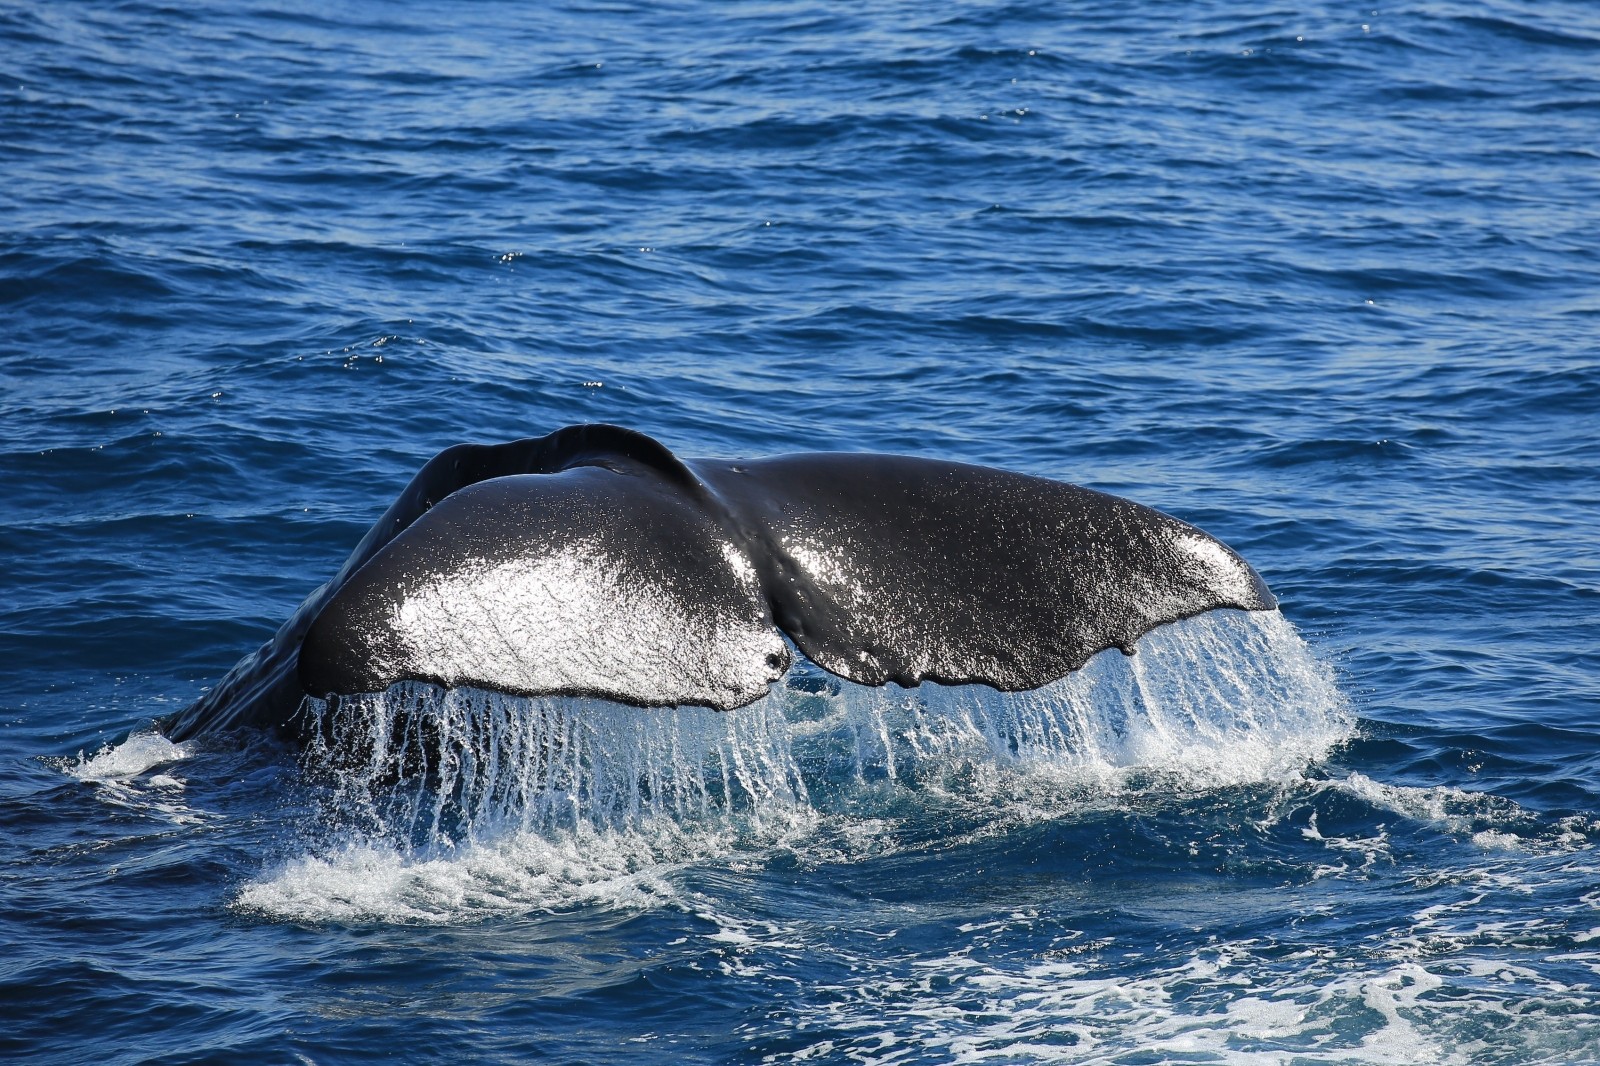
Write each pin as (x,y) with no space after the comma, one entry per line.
(1324,281)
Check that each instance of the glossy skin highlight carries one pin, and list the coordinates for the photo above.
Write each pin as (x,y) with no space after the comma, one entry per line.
(594,562)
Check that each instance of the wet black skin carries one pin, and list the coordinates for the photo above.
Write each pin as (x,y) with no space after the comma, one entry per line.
(879,568)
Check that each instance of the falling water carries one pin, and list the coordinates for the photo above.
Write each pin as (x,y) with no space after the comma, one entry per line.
(445,768)
(506,801)
(1223,699)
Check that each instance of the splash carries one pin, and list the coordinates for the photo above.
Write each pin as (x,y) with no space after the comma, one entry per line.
(137,755)
(1223,699)
(139,774)
(440,804)
(454,768)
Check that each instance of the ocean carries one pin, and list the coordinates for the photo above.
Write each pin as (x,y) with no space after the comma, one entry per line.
(1322,281)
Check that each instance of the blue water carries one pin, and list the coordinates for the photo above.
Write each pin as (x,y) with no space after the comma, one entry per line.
(1323,282)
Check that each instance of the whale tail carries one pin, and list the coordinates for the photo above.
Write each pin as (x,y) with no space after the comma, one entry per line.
(594,562)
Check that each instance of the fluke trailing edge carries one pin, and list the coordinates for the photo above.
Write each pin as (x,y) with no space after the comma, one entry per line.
(594,562)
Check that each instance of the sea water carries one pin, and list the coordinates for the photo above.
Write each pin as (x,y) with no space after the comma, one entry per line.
(1319,281)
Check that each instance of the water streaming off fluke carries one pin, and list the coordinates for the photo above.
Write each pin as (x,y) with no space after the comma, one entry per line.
(440,804)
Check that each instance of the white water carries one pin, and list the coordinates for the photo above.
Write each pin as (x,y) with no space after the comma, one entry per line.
(442,805)
(1235,1003)
(135,756)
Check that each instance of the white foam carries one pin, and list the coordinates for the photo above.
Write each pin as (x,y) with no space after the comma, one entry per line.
(1232,1003)
(522,872)
(136,755)
(1452,809)
(121,776)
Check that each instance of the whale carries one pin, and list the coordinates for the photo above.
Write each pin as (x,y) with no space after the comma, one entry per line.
(594,562)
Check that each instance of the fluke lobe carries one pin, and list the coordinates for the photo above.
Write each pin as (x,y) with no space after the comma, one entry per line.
(594,562)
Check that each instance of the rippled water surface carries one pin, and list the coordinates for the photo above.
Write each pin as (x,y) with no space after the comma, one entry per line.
(1321,281)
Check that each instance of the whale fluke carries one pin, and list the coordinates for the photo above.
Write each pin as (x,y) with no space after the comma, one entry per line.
(594,562)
